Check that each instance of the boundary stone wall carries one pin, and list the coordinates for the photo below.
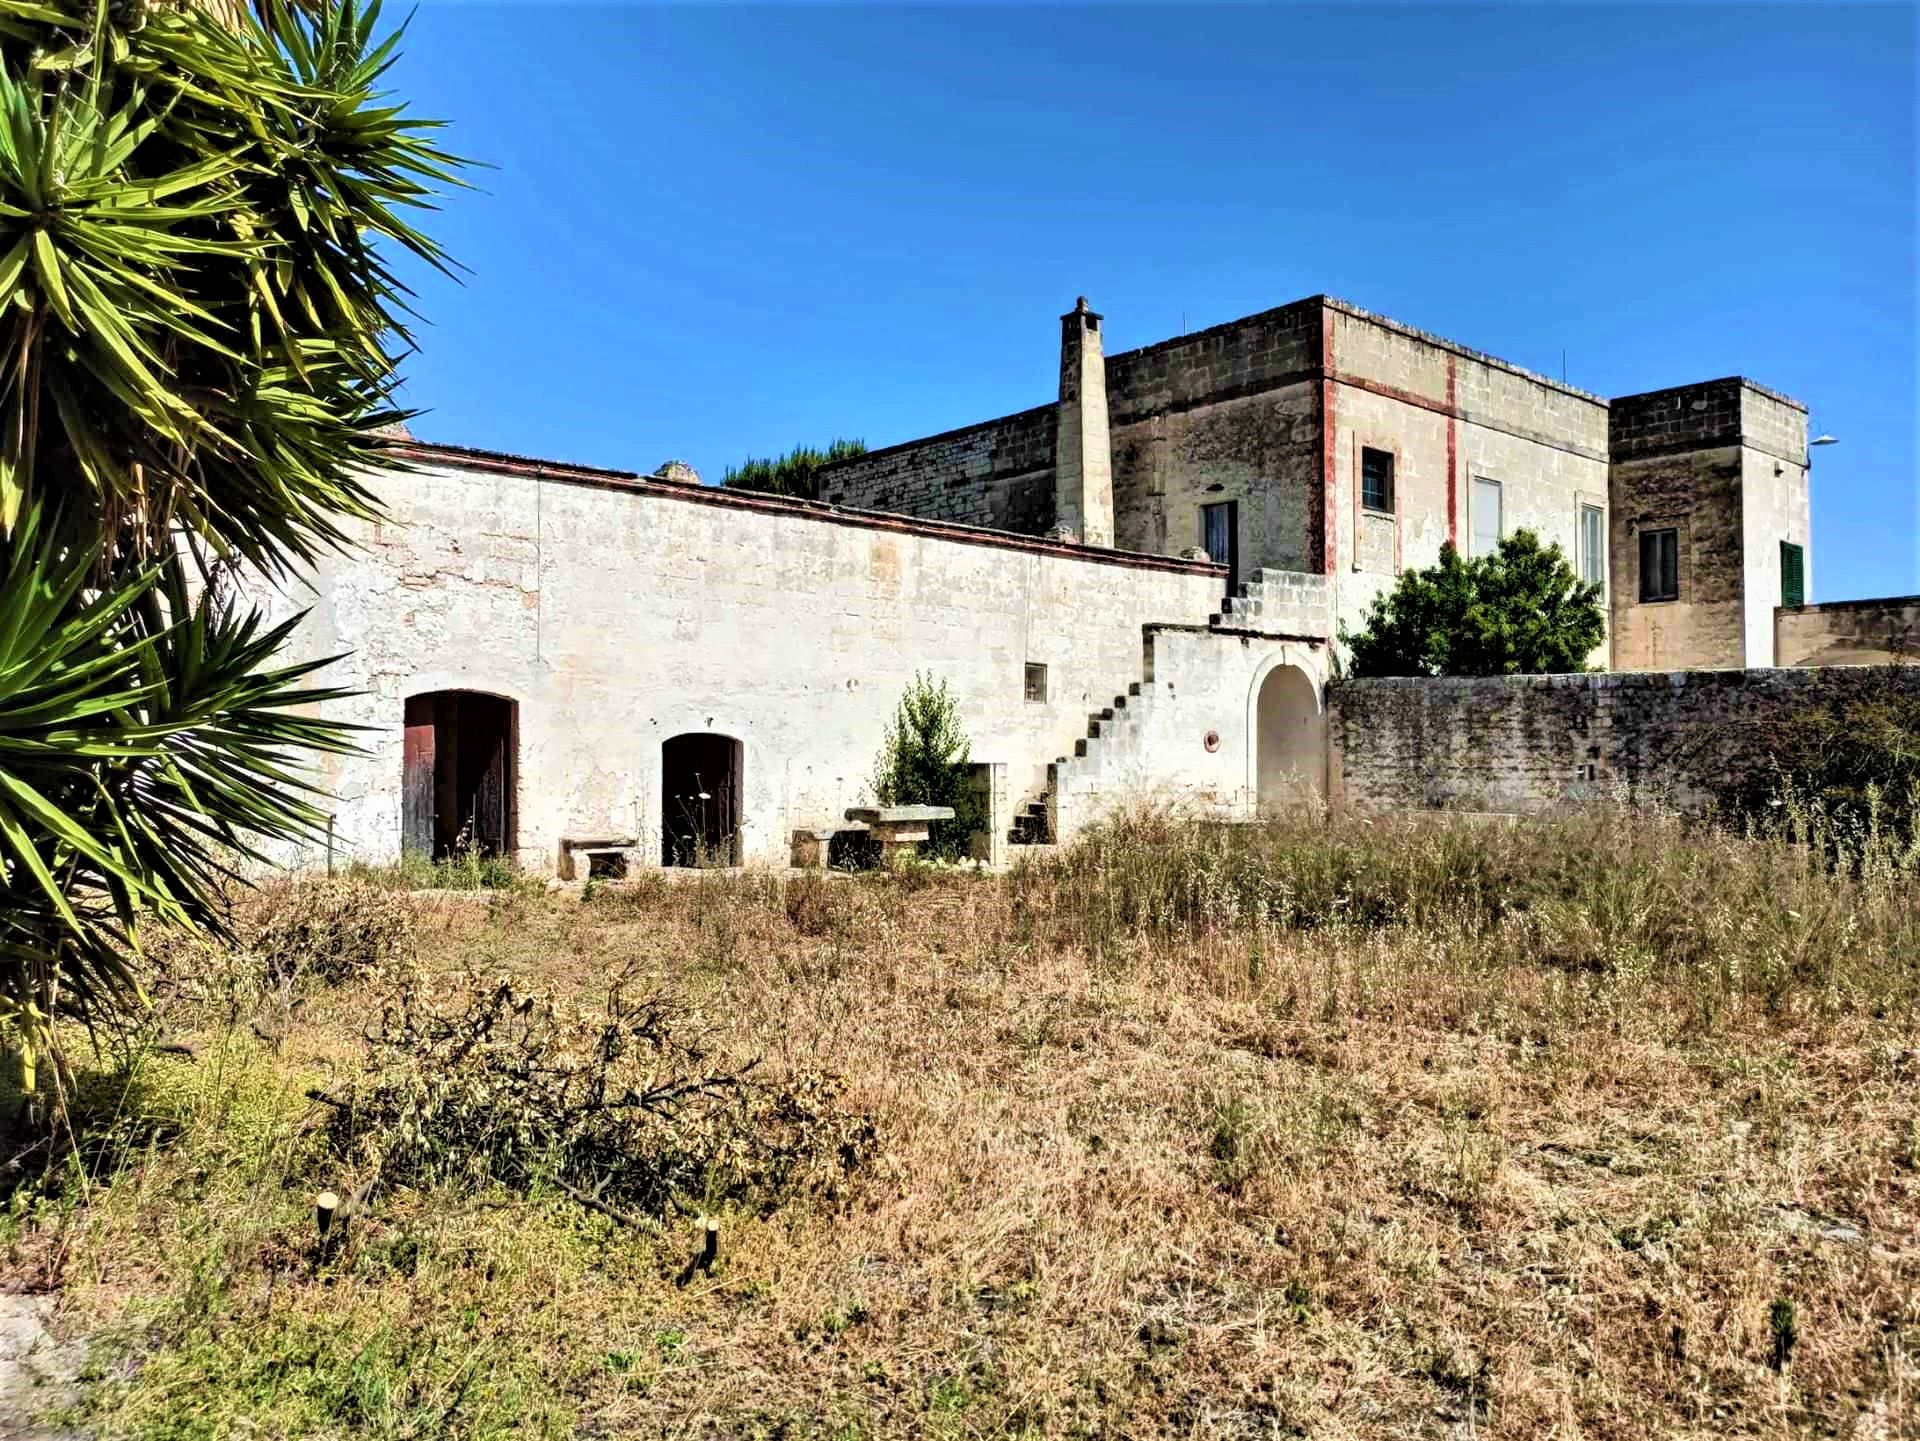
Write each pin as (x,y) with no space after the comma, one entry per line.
(1848,632)
(1516,744)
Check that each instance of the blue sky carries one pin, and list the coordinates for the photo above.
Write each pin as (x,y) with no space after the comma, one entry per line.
(712,231)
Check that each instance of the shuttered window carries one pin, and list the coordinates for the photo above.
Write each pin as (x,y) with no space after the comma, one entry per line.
(1660,564)
(1793,574)
(1486,516)
(1593,545)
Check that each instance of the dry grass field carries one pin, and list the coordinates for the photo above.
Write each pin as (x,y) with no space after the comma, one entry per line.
(1597,1127)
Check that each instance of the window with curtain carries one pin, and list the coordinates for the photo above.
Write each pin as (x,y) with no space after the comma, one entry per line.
(1660,564)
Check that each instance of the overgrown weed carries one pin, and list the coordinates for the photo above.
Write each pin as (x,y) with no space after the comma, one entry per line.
(1529,1126)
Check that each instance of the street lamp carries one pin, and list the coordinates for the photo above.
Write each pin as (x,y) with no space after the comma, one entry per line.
(1824,440)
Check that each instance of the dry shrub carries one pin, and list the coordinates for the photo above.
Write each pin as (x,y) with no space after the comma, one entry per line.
(1606,890)
(479,1081)
(817,906)
(330,930)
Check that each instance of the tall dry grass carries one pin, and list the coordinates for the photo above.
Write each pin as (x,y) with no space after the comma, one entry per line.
(1598,1126)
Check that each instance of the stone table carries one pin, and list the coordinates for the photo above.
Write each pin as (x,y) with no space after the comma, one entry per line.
(898,829)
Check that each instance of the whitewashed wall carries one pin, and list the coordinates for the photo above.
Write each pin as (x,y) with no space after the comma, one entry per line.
(619,614)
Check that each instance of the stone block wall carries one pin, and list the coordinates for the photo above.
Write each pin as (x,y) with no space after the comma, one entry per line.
(997,474)
(1848,632)
(1520,744)
(1224,415)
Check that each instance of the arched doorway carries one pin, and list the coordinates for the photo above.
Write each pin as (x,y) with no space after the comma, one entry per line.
(457,781)
(700,790)
(1290,740)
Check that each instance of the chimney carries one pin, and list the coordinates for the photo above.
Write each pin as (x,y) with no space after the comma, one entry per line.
(1083,454)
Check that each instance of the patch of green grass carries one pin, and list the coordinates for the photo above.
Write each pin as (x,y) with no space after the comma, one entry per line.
(465,870)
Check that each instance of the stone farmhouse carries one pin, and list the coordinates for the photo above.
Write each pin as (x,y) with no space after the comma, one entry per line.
(1133,589)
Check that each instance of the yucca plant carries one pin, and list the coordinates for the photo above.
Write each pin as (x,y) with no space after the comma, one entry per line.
(198,210)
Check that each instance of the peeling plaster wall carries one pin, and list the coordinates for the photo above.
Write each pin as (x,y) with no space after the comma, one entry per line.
(1225,414)
(619,615)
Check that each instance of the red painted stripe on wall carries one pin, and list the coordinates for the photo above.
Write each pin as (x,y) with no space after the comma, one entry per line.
(1329,540)
(1453,479)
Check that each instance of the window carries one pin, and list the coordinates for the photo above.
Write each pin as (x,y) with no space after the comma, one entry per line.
(1376,479)
(1220,536)
(1486,516)
(1593,545)
(1036,682)
(1660,564)
(1793,574)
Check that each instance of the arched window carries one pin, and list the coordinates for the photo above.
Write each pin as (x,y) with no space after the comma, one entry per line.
(457,788)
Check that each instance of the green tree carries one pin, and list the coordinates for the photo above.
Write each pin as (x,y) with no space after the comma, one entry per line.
(925,761)
(1519,611)
(199,207)
(795,473)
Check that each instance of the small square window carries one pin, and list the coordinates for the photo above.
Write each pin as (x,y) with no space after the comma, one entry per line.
(1376,479)
(1036,682)
(1660,564)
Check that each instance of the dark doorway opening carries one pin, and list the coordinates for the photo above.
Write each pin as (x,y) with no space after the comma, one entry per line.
(700,776)
(457,790)
(1220,538)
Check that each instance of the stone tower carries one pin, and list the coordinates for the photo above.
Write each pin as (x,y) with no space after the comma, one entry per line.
(1708,492)
(1083,458)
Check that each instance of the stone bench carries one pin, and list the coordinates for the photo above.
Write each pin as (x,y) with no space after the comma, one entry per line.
(898,829)
(626,847)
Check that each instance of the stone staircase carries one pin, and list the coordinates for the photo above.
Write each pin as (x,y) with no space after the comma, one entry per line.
(1267,601)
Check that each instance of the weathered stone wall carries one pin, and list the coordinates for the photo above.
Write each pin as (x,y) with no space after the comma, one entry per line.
(997,474)
(1225,414)
(1775,506)
(1530,743)
(617,612)
(1848,632)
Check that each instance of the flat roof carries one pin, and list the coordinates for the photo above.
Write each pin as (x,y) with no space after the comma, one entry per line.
(1755,386)
(1347,307)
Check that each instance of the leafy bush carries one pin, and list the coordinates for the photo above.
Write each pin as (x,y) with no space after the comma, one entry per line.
(624,1103)
(203,207)
(924,761)
(1519,611)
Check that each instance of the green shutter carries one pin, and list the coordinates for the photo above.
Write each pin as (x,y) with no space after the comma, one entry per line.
(1793,574)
